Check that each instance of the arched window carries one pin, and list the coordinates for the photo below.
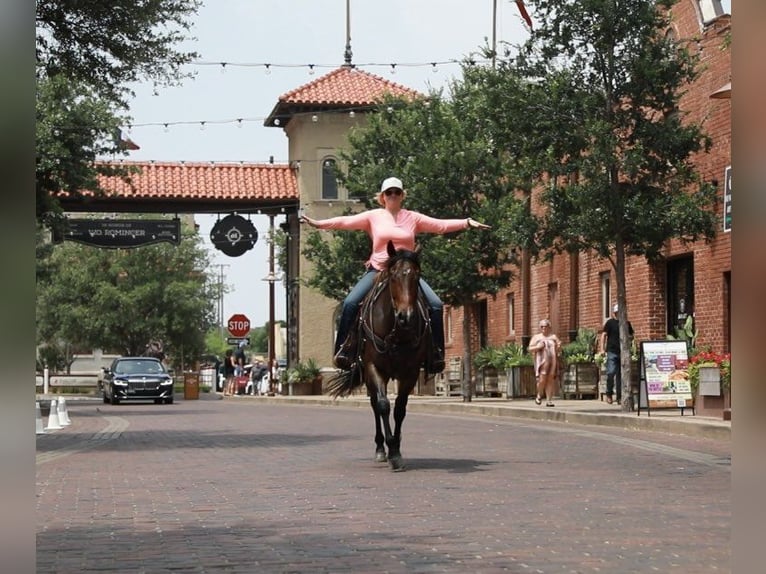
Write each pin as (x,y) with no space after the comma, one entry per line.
(329,183)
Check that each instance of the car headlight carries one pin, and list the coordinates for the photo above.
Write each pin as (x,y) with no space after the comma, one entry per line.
(122,382)
(167,382)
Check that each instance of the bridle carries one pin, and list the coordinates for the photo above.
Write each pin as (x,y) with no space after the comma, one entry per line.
(399,334)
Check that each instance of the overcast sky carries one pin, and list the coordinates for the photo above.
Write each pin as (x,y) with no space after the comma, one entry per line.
(290,35)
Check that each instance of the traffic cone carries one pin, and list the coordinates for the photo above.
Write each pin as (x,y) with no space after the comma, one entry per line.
(63,414)
(53,417)
(38,419)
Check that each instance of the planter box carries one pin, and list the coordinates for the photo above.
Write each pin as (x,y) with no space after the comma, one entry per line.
(580,380)
(522,383)
(635,379)
(488,384)
(710,382)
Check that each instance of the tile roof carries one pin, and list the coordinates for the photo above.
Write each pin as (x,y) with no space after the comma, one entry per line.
(344,87)
(200,183)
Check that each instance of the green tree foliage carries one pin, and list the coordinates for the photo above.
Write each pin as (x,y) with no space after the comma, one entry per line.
(120,300)
(451,169)
(589,108)
(88,54)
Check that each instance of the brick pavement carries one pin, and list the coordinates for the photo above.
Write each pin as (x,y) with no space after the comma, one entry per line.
(252,486)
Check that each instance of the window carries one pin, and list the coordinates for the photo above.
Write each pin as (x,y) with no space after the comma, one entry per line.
(511,308)
(606,296)
(448,324)
(329,182)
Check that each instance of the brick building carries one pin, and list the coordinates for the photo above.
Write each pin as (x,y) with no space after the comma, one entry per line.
(578,290)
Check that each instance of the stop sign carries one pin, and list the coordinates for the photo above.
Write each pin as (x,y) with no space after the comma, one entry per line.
(239,325)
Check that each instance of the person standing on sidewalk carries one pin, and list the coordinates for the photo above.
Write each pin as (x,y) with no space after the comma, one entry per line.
(546,347)
(609,342)
(228,373)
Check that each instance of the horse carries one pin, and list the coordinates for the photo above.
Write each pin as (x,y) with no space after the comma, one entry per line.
(394,339)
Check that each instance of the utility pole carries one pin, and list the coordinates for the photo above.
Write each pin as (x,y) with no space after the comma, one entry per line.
(219,311)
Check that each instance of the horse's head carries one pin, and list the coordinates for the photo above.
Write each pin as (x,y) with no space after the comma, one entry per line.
(403,276)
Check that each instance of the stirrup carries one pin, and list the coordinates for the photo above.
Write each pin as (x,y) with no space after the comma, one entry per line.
(343,361)
(436,362)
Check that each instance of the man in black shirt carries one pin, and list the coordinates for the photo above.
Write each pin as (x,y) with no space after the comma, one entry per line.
(609,342)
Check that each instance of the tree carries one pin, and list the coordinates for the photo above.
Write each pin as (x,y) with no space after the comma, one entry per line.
(120,300)
(450,170)
(88,53)
(589,110)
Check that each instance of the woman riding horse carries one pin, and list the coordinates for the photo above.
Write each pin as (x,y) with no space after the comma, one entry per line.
(391,222)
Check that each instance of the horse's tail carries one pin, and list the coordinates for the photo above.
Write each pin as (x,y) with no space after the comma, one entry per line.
(344,383)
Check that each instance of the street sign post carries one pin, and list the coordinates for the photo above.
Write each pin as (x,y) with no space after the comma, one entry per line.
(239,325)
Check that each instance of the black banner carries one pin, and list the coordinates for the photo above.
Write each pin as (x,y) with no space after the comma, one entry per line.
(121,233)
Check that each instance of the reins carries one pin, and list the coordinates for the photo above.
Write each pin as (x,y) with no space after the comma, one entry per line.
(391,341)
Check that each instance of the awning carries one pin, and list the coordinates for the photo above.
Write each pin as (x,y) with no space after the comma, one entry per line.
(722,93)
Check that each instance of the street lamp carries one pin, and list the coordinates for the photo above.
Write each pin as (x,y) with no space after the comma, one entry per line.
(271,278)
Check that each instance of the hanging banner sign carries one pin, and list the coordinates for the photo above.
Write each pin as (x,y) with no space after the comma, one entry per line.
(121,233)
(234,235)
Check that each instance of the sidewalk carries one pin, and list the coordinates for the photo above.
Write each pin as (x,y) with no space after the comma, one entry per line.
(586,412)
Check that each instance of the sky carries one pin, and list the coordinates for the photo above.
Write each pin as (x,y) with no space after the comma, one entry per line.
(294,34)
(202,115)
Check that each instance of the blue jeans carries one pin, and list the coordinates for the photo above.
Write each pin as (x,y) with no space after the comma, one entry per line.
(613,369)
(354,299)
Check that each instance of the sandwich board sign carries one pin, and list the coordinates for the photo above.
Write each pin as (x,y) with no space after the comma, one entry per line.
(664,376)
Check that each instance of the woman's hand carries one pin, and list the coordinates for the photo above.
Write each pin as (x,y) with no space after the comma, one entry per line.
(477,224)
(307,219)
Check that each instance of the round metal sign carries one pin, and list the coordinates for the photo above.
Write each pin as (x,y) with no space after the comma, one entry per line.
(234,235)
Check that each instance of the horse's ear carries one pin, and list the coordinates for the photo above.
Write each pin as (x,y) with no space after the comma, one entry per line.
(391,248)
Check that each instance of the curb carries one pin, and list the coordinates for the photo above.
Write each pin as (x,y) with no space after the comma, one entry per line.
(690,425)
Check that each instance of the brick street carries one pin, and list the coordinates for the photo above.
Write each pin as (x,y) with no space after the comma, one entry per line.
(247,486)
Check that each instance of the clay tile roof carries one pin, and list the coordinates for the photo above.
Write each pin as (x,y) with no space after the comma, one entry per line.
(341,88)
(201,183)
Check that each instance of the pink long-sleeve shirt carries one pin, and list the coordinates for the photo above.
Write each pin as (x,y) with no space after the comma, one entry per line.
(381,226)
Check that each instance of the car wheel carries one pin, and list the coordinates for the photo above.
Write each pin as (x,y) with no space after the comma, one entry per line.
(114,400)
(106,399)
(169,401)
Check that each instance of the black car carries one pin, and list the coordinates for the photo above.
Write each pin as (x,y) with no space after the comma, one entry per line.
(137,378)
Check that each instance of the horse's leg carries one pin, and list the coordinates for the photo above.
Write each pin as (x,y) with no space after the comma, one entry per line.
(380,449)
(394,444)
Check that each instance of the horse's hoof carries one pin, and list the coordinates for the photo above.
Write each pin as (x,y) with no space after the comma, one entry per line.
(381,457)
(397,464)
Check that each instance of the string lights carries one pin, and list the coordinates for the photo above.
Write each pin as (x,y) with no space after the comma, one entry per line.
(268,66)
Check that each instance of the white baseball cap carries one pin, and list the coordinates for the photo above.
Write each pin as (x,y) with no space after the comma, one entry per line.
(391,182)
(615,308)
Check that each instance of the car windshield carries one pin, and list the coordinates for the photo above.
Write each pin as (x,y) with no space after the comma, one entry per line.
(138,367)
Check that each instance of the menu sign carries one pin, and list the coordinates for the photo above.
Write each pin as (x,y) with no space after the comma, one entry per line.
(666,379)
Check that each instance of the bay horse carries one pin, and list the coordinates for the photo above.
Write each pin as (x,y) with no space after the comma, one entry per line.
(394,340)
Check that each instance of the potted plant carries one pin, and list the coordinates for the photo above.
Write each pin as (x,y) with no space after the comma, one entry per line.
(519,365)
(489,361)
(710,370)
(304,378)
(581,374)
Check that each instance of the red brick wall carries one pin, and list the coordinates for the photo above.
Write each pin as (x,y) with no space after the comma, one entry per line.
(646,284)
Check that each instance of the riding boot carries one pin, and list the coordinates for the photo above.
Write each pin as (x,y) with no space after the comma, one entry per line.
(435,362)
(347,340)
(346,356)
